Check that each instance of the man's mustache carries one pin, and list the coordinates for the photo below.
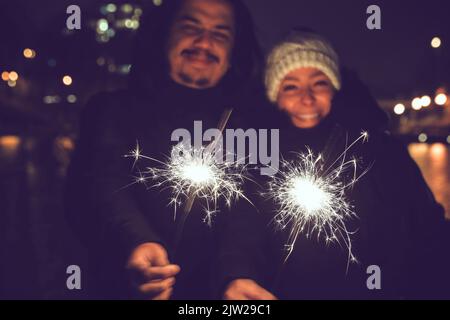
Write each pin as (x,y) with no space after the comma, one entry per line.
(194,52)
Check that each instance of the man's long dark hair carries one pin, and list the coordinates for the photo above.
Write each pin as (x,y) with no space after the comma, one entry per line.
(150,62)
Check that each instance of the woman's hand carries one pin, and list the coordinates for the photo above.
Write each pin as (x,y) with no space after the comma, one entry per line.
(246,289)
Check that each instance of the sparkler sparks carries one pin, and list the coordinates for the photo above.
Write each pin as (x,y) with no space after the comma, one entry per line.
(194,173)
(312,198)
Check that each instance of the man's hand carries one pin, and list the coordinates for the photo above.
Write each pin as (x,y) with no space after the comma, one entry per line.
(151,273)
(246,289)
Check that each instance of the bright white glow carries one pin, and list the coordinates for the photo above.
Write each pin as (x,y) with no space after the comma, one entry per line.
(67,80)
(436,42)
(306,193)
(311,198)
(197,173)
(426,101)
(440,99)
(102,25)
(399,109)
(417,104)
(194,172)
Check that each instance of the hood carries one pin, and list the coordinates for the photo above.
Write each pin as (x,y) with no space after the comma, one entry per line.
(355,108)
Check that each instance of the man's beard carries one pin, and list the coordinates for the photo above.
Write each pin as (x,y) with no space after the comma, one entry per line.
(201,82)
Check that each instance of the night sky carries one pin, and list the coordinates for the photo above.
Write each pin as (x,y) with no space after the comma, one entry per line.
(395,61)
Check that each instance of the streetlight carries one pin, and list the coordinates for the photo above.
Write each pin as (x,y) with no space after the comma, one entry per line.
(417,104)
(67,80)
(426,101)
(436,42)
(399,109)
(440,99)
(29,53)
(423,137)
(5,75)
(13,76)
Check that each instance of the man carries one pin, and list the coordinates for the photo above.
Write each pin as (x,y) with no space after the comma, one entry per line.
(193,59)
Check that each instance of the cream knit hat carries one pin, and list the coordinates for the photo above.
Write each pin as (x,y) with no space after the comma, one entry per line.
(300,49)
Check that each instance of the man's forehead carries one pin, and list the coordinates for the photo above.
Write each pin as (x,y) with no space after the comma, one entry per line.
(217,11)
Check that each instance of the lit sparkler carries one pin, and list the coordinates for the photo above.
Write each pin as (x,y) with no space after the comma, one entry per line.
(195,172)
(312,198)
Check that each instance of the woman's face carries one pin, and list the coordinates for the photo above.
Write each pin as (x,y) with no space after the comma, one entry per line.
(305,94)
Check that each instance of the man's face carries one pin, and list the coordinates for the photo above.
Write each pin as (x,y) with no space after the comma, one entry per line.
(200,43)
(305,95)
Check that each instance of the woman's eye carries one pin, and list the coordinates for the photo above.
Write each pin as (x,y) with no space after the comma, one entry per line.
(322,83)
(288,88)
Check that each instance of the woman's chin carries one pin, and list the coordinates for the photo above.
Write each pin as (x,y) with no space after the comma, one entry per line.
(306,123)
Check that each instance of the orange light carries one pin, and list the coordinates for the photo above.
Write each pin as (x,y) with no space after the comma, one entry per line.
(65,143)
(29,53)
(5,75)
(438,150)
(9,142)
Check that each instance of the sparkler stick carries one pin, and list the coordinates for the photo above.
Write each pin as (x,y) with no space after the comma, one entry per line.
(194,173)
(191,196)
(221,126)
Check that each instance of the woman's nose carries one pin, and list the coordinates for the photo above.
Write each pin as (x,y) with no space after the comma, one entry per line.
(307,97)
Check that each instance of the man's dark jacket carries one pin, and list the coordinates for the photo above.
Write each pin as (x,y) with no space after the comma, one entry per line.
(113,216)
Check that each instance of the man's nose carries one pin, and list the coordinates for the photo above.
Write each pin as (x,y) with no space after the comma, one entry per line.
(204,40)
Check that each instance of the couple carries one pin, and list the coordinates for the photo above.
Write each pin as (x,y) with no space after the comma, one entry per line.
(193,59)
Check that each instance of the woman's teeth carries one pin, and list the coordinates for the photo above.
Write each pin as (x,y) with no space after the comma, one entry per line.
(308,116)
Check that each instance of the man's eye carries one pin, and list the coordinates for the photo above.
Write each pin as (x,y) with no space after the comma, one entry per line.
(221,36)
(187,28)
(289,87)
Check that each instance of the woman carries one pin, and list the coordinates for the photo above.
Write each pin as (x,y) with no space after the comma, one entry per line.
(399,225)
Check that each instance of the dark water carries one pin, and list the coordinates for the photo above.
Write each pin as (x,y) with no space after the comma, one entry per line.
(434,162)
(36,245)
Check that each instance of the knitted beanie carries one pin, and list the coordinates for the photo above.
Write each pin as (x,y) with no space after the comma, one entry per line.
(300,49)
